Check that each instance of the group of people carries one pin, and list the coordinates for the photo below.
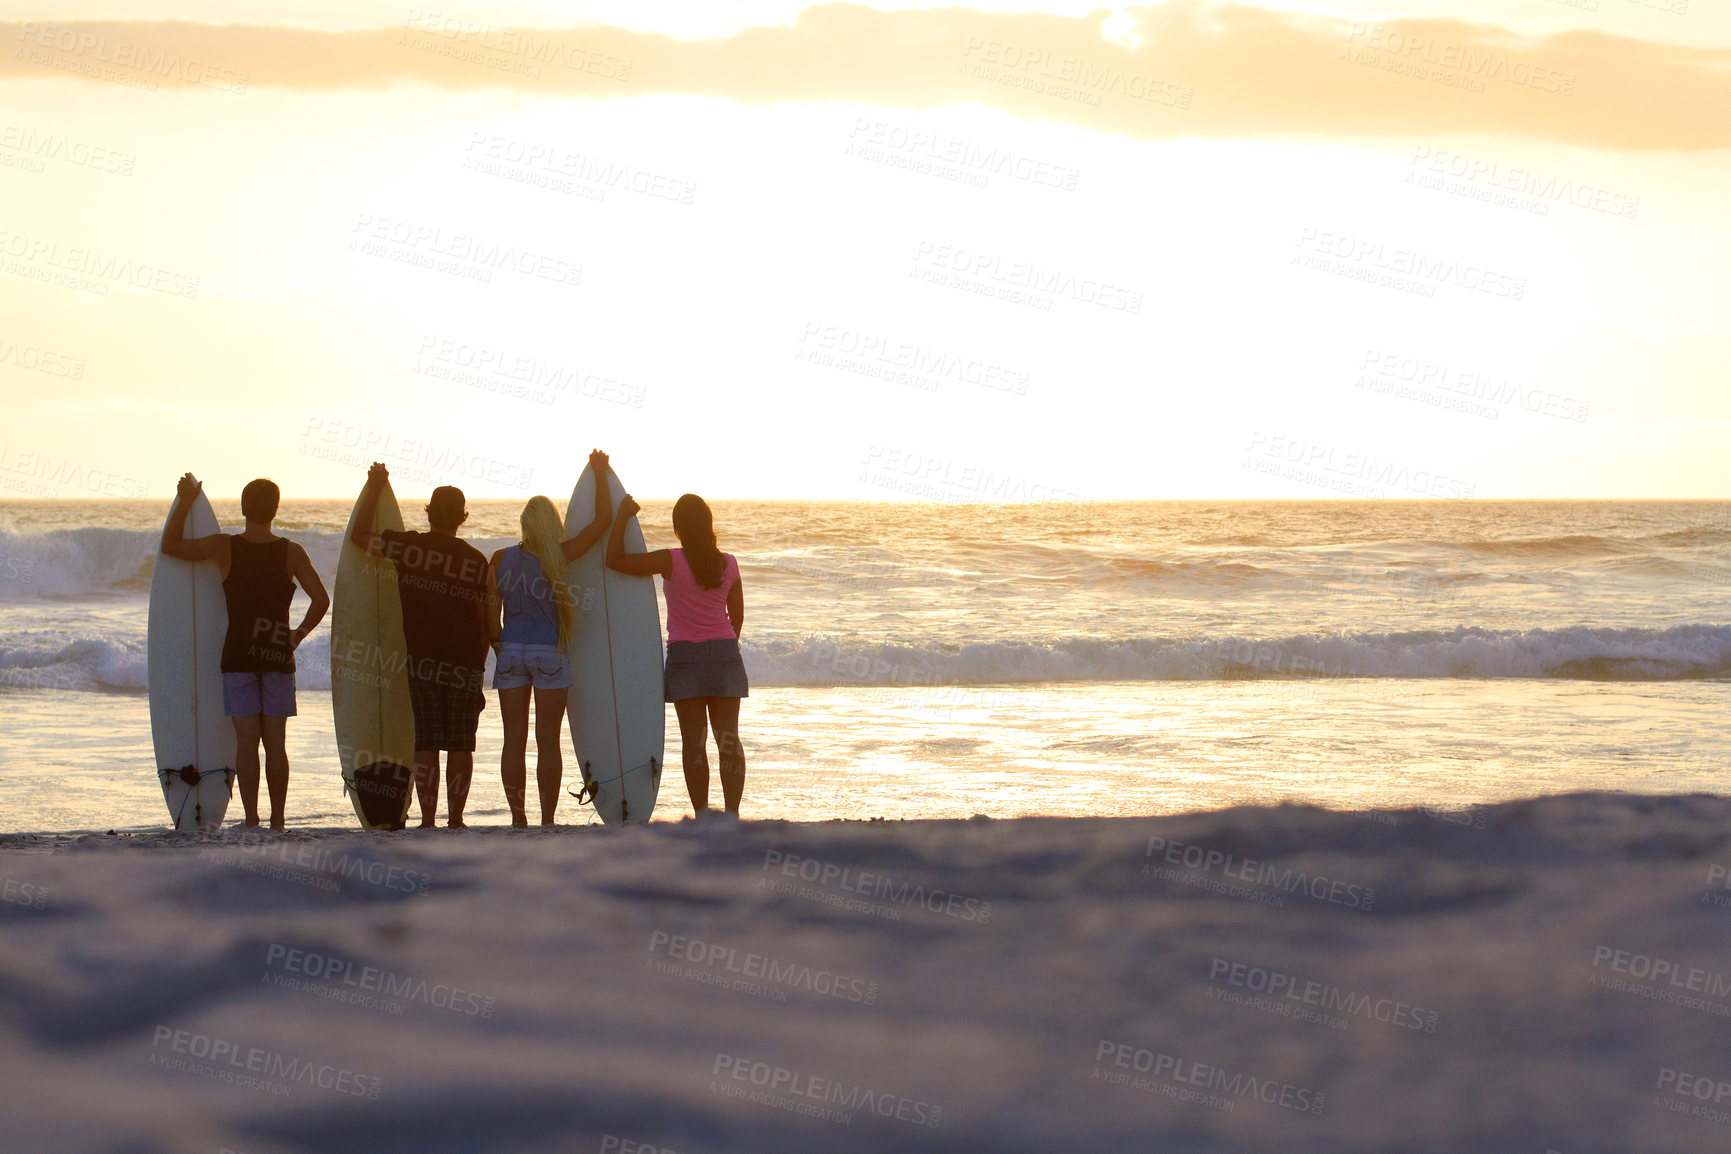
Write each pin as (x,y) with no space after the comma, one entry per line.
(457,604)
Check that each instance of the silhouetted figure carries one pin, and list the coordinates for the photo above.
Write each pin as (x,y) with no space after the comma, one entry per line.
(442,582)
(704,676)
(259,574)
(526,587)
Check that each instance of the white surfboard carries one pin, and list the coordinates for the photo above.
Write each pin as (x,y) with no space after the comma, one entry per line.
(375,722)
(618,720)
(194,738)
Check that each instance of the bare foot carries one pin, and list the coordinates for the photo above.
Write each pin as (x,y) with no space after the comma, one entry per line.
(456,823)
(427,823)
(277,823)
(519,823)
(252,821)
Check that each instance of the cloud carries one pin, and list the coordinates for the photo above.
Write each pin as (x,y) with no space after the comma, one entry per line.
(1182,69)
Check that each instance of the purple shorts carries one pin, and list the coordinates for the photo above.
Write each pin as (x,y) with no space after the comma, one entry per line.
(249,694)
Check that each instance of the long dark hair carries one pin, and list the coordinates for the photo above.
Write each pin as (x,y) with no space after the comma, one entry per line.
(694,525)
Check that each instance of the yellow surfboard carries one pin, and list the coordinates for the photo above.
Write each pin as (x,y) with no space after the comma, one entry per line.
(369,679)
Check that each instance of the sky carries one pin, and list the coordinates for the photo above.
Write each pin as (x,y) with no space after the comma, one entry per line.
(1003,252)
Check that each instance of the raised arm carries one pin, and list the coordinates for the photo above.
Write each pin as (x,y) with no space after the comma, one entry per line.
(308,578)
(363,537)
(175,543)
(586,537)
(637,564)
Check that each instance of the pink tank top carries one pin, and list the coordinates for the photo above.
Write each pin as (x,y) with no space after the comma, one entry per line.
(693,612)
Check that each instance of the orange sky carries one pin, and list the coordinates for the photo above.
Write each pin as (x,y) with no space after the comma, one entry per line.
(1183,250)
(1233,70)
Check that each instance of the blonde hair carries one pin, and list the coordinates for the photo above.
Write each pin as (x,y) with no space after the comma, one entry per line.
(542,532)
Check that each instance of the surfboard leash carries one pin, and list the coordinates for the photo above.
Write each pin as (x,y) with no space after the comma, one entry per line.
(592,789)
(193,776)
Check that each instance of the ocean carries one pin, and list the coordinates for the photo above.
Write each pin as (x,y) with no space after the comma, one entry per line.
(1099,658)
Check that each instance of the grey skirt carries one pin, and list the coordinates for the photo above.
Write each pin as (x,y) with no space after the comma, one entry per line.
(704,669)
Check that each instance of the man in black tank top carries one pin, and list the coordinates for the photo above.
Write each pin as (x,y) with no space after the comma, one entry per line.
(442,580)
(259,573)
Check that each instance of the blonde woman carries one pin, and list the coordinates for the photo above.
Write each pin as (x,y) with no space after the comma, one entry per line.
(526,584)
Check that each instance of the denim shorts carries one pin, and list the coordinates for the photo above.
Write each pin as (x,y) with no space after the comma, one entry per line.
(704,669)
(250,694)
(543,666)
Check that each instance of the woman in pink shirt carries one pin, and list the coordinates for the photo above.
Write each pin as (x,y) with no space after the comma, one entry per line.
(704,676)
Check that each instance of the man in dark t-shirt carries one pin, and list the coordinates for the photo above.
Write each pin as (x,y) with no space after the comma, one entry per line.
(442,580)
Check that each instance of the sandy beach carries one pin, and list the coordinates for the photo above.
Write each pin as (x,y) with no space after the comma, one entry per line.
(1539,975)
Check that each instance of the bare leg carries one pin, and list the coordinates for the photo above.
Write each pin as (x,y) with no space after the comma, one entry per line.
(246,736)
(693,749)
(513,760)
(461,766)
(427,785)
(549,760)
(276,766)
(724,716)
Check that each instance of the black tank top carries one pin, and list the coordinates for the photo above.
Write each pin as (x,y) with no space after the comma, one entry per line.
(258,589)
